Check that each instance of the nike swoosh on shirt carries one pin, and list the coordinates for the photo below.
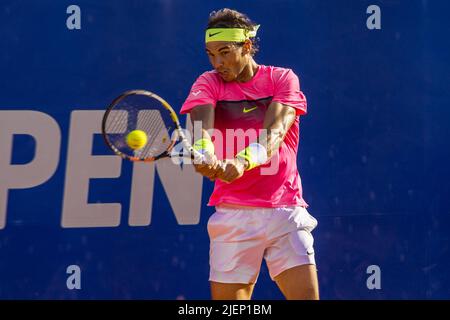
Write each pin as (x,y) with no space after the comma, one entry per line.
(248,110)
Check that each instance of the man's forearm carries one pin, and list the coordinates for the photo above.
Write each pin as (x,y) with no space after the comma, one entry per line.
(276,126)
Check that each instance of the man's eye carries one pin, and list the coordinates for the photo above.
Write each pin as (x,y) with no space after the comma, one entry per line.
(224,53)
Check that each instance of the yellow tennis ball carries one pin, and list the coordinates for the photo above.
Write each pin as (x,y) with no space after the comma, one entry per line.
(136,139)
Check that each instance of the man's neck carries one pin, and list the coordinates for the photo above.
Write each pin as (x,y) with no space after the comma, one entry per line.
(248,72)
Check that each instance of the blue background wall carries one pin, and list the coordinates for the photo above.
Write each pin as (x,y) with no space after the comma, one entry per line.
(373,154)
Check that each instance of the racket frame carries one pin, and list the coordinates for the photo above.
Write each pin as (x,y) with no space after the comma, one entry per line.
(167,153)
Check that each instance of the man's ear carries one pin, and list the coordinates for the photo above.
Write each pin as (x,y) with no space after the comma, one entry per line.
(247,47)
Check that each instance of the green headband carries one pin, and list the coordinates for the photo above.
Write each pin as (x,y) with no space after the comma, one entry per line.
(229,34)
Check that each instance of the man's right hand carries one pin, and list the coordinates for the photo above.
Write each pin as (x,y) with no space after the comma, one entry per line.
(210,169)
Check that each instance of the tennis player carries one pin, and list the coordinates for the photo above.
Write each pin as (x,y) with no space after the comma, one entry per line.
(260,212)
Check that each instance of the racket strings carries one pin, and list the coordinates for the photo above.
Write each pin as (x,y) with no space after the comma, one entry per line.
(150,121)
(121,126)
(117,122)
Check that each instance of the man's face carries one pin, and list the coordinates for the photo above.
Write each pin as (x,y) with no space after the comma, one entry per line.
(227,58)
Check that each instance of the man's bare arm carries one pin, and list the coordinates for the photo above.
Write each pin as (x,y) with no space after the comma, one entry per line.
(205,114)
(277,122)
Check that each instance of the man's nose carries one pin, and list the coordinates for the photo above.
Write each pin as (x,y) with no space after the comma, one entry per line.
(217,63)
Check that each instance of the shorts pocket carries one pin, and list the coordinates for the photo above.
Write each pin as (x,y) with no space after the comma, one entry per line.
(226,227)
(216,225)
(312,222)
(304,220)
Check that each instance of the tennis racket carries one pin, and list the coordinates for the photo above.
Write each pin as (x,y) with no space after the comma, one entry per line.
(148,112)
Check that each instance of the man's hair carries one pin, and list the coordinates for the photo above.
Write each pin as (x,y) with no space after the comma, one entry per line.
(228,18)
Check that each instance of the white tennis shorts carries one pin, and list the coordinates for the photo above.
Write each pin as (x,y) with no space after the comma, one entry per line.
(241,238)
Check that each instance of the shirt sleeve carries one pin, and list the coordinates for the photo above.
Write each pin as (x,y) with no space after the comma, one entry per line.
(287,91)
(203,91)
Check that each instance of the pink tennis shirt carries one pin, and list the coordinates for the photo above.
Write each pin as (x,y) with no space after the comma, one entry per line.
(240,106)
